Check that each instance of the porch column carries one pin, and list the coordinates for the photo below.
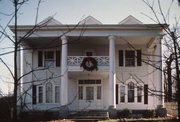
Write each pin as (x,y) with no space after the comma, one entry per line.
(64,72)
(112,72)
(159,72)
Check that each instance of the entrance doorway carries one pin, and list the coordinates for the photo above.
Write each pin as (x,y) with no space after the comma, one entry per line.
(90,94)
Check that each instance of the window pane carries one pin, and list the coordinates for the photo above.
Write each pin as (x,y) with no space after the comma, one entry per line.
(130,58)
(80,92)
(48,63)
(57,94)
(40,94)
(139,94)
(98,92)
(49,93)
(89,93)
(131,92)
(49,55)
(122,93)
(48,58)
(89,53)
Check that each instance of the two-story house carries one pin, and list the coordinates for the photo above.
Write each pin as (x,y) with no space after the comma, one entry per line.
(90,66)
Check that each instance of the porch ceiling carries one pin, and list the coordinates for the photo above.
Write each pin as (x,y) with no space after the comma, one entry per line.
(48,42)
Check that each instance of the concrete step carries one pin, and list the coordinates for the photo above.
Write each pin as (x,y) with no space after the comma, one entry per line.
(92,114)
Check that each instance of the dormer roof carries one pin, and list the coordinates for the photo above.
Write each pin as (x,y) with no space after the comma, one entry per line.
(90,21)
(50,21)
(130,20)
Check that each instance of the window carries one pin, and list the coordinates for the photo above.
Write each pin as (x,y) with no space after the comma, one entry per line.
(129,58)
(57,94)
(48,58)
(58,58)
(89,93)
(139,94)
(122,94)
(40,94)
(98,92)
(80,92)
(89,53)
(49,92)
(131,92)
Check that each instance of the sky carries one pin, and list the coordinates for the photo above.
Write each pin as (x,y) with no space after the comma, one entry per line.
(71,12)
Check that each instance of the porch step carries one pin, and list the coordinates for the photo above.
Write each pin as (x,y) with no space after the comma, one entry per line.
(91,114)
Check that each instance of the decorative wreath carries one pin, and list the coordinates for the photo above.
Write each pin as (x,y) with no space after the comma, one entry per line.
(89,64)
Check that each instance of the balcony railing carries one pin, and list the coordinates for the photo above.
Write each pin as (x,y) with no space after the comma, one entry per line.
(77,60)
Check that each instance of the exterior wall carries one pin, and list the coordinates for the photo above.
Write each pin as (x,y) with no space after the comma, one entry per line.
(122,73)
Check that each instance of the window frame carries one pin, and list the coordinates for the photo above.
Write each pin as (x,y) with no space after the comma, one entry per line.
(122,57)
(38,94)
(125,84)
(41,58)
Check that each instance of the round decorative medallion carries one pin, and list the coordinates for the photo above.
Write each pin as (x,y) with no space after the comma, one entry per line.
(89,64)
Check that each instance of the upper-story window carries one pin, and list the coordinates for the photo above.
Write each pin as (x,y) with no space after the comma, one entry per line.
(89,52)
(130,58)
(48,58)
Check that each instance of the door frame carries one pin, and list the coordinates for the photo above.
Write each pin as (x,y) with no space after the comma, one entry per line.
(98,104)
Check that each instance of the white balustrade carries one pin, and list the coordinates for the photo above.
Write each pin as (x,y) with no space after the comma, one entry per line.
(77,60)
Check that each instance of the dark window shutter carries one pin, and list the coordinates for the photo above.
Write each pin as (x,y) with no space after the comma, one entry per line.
(34,94)
(145,94)
(139,58)
(117,94)
(121,58)
(58,58)
(40,59)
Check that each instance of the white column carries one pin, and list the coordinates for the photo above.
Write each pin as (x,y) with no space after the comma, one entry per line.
(159,81)
(27,67)
(64,72)
(112,72)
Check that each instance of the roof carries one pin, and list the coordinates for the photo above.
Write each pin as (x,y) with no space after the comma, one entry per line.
(130,20)
(50,21)
(90,21)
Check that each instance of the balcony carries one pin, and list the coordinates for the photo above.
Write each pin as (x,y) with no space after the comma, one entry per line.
(74,62)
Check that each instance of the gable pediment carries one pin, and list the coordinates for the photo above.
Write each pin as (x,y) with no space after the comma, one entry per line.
(50,21)
(90,21)
(130,20)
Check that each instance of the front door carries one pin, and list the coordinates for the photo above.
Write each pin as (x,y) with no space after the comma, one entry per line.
(90,94)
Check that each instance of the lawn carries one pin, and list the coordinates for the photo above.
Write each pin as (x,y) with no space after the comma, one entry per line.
(142,120)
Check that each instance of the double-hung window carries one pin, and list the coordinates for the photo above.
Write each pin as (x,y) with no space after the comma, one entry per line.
(48,58)
(130,58)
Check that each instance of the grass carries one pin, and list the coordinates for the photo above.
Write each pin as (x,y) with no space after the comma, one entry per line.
(142,120)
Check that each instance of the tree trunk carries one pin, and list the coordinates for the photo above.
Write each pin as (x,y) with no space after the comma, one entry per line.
(15,66)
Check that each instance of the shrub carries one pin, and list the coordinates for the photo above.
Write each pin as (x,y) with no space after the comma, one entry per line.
(125,113)
(149,113)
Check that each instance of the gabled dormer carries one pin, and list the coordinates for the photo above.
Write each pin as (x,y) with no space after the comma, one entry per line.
(90,21)
(130,20)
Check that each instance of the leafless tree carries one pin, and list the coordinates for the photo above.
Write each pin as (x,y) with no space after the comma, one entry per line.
(171,42)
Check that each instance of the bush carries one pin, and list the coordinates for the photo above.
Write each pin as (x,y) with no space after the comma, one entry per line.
(5,107)
(149,113)
(125,113)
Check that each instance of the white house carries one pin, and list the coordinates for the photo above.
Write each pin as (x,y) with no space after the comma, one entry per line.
(90,66)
